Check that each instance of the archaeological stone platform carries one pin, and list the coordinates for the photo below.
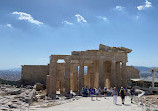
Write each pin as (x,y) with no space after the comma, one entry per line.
(106,67)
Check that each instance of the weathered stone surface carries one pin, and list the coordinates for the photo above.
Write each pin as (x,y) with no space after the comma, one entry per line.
(32,74)
(106,67)
(14,92)
(132,72)
(39,86)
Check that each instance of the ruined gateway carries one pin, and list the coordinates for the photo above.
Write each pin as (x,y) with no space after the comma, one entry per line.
(105,67)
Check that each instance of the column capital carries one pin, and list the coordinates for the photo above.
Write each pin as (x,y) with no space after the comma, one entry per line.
(67,59)
(113,61)
(81,61)
(124,61)
(102,60)
(91,65)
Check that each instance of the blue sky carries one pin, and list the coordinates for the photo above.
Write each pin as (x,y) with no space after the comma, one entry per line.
(32,30)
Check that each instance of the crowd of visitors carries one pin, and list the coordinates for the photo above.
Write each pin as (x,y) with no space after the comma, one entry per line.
(98,92)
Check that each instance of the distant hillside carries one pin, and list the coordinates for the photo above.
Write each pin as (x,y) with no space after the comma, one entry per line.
(11,74)
(2,81)
(144,71)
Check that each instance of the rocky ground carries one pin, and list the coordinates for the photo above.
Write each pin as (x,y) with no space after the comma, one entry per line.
(34,98)
(22,99)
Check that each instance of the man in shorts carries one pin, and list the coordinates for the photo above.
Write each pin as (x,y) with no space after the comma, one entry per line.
(132,92)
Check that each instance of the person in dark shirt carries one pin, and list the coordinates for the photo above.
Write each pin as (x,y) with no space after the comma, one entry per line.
(122,94)
(91,91)
(105,92)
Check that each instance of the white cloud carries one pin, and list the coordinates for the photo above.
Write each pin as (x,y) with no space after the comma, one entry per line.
(68,23)
(28,17)
(148,4)
(140,7)
(80,18)
(145,6)
(8,25)
(120,8)
(103,18)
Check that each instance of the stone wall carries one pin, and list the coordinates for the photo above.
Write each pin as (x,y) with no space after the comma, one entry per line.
(132,73)
(32,74)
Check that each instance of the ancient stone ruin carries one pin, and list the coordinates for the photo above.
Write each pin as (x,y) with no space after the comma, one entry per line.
(105,67)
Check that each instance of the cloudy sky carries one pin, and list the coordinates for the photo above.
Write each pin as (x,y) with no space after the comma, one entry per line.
(32,30)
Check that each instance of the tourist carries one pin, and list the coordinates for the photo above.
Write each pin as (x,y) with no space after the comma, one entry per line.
(115,94)
(97,93)
(82,91)
(91,91)
(132,92)
(100,92)
(122,94)
(111,90)
(105,92)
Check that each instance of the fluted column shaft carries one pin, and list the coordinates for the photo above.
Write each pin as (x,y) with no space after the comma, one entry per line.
(81,75)
(91,70)
(53,78)
(101,74)
(124,75)
(67,77)
(75,77)
(118,73)
(113,73)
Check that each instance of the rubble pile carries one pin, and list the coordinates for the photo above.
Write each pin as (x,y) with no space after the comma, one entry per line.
(29,97)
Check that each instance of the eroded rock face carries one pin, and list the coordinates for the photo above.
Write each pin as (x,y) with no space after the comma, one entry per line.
(14,92)
(132,73)
(39,86)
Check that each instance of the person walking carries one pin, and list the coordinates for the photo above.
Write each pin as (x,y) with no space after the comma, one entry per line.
(122,94)
(91,91)
(111,90)
(105,92)
(114,94)
(132,92)
(100,92)
(82,91)
(97,93)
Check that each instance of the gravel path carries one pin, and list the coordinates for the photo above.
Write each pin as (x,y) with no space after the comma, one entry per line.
(85,104)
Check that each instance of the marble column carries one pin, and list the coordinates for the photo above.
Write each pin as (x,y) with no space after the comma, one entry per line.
(101,74)
(62,81)
(75,78)
(107,74)
(118,75)
(81,75)
(88,76)
(67,77)
(113,73)
(96,74)
(124,75)
(91,71)
(53,78)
